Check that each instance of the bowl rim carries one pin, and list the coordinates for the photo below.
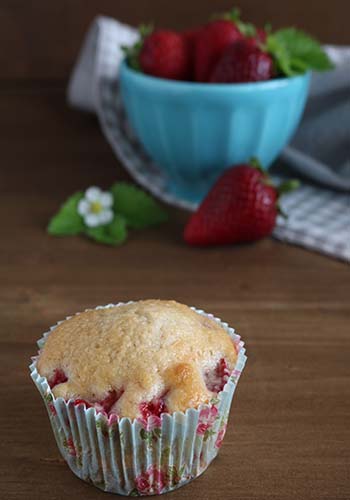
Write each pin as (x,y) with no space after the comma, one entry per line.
(211,87)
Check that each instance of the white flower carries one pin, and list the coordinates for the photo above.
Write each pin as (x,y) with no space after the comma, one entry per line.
(96,207)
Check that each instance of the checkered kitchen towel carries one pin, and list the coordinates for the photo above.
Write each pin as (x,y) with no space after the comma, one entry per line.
(318,217)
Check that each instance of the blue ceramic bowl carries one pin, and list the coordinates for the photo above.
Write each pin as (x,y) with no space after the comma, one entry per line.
(194,131)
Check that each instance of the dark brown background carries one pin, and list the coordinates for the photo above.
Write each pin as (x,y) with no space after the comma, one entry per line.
(40,38)
(289,433)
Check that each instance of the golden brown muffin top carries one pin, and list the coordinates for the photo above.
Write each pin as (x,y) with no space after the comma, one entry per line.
(143,351)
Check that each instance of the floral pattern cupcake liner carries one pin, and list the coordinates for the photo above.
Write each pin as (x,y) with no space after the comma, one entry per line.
(140,457)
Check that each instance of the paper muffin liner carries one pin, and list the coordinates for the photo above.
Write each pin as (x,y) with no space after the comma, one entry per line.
(140,457)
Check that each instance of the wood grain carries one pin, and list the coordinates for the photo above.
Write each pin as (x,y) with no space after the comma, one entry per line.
(289,434)
(41,39)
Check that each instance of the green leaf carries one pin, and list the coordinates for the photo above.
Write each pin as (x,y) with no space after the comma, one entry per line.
(208,433)
(214,401)
(132,53)
(234,15)
(157,432)
(296,52)
(165,455)
(280,55)
(146,436)
(113,234)
(122,438)
(288,186)
(67,221)
(172,473)
(255,163)
(268,27)
(48,397)
(139,209)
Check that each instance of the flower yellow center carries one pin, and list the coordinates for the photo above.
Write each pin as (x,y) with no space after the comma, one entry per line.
(96,207)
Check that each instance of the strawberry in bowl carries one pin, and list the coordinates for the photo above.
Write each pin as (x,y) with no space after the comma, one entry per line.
(217,95)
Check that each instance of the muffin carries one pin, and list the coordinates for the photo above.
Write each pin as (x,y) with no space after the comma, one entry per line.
(138,394)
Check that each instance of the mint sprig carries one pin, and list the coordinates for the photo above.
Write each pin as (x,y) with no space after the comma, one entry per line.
(295,52)
(132,207)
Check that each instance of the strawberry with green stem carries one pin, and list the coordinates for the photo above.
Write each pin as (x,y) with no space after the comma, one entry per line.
(244,61)
(161,53)
(132,53)
(210,43)
(167,54)
(241,207)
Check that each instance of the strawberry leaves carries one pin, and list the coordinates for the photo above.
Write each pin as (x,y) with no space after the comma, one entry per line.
(114,233)
(247,29)
(296,52)
(138,208)
(234,15)
(132,208)
(67,221)
(132,53)
(288,186)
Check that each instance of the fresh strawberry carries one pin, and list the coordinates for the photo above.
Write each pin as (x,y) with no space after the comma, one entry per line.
(243,62)
(190,37)
(261,35)
(210,43)
(242,206)
(165,54)
(258,39)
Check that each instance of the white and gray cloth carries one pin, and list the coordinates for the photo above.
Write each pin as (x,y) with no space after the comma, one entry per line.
(318,213)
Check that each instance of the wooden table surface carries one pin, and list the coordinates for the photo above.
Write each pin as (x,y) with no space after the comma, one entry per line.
(289,431)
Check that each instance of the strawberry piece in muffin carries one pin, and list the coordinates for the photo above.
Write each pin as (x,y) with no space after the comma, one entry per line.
(153,408)
(78,402)
(137,360)
(59,377)
(216,380)
(109,401)
(105,405)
